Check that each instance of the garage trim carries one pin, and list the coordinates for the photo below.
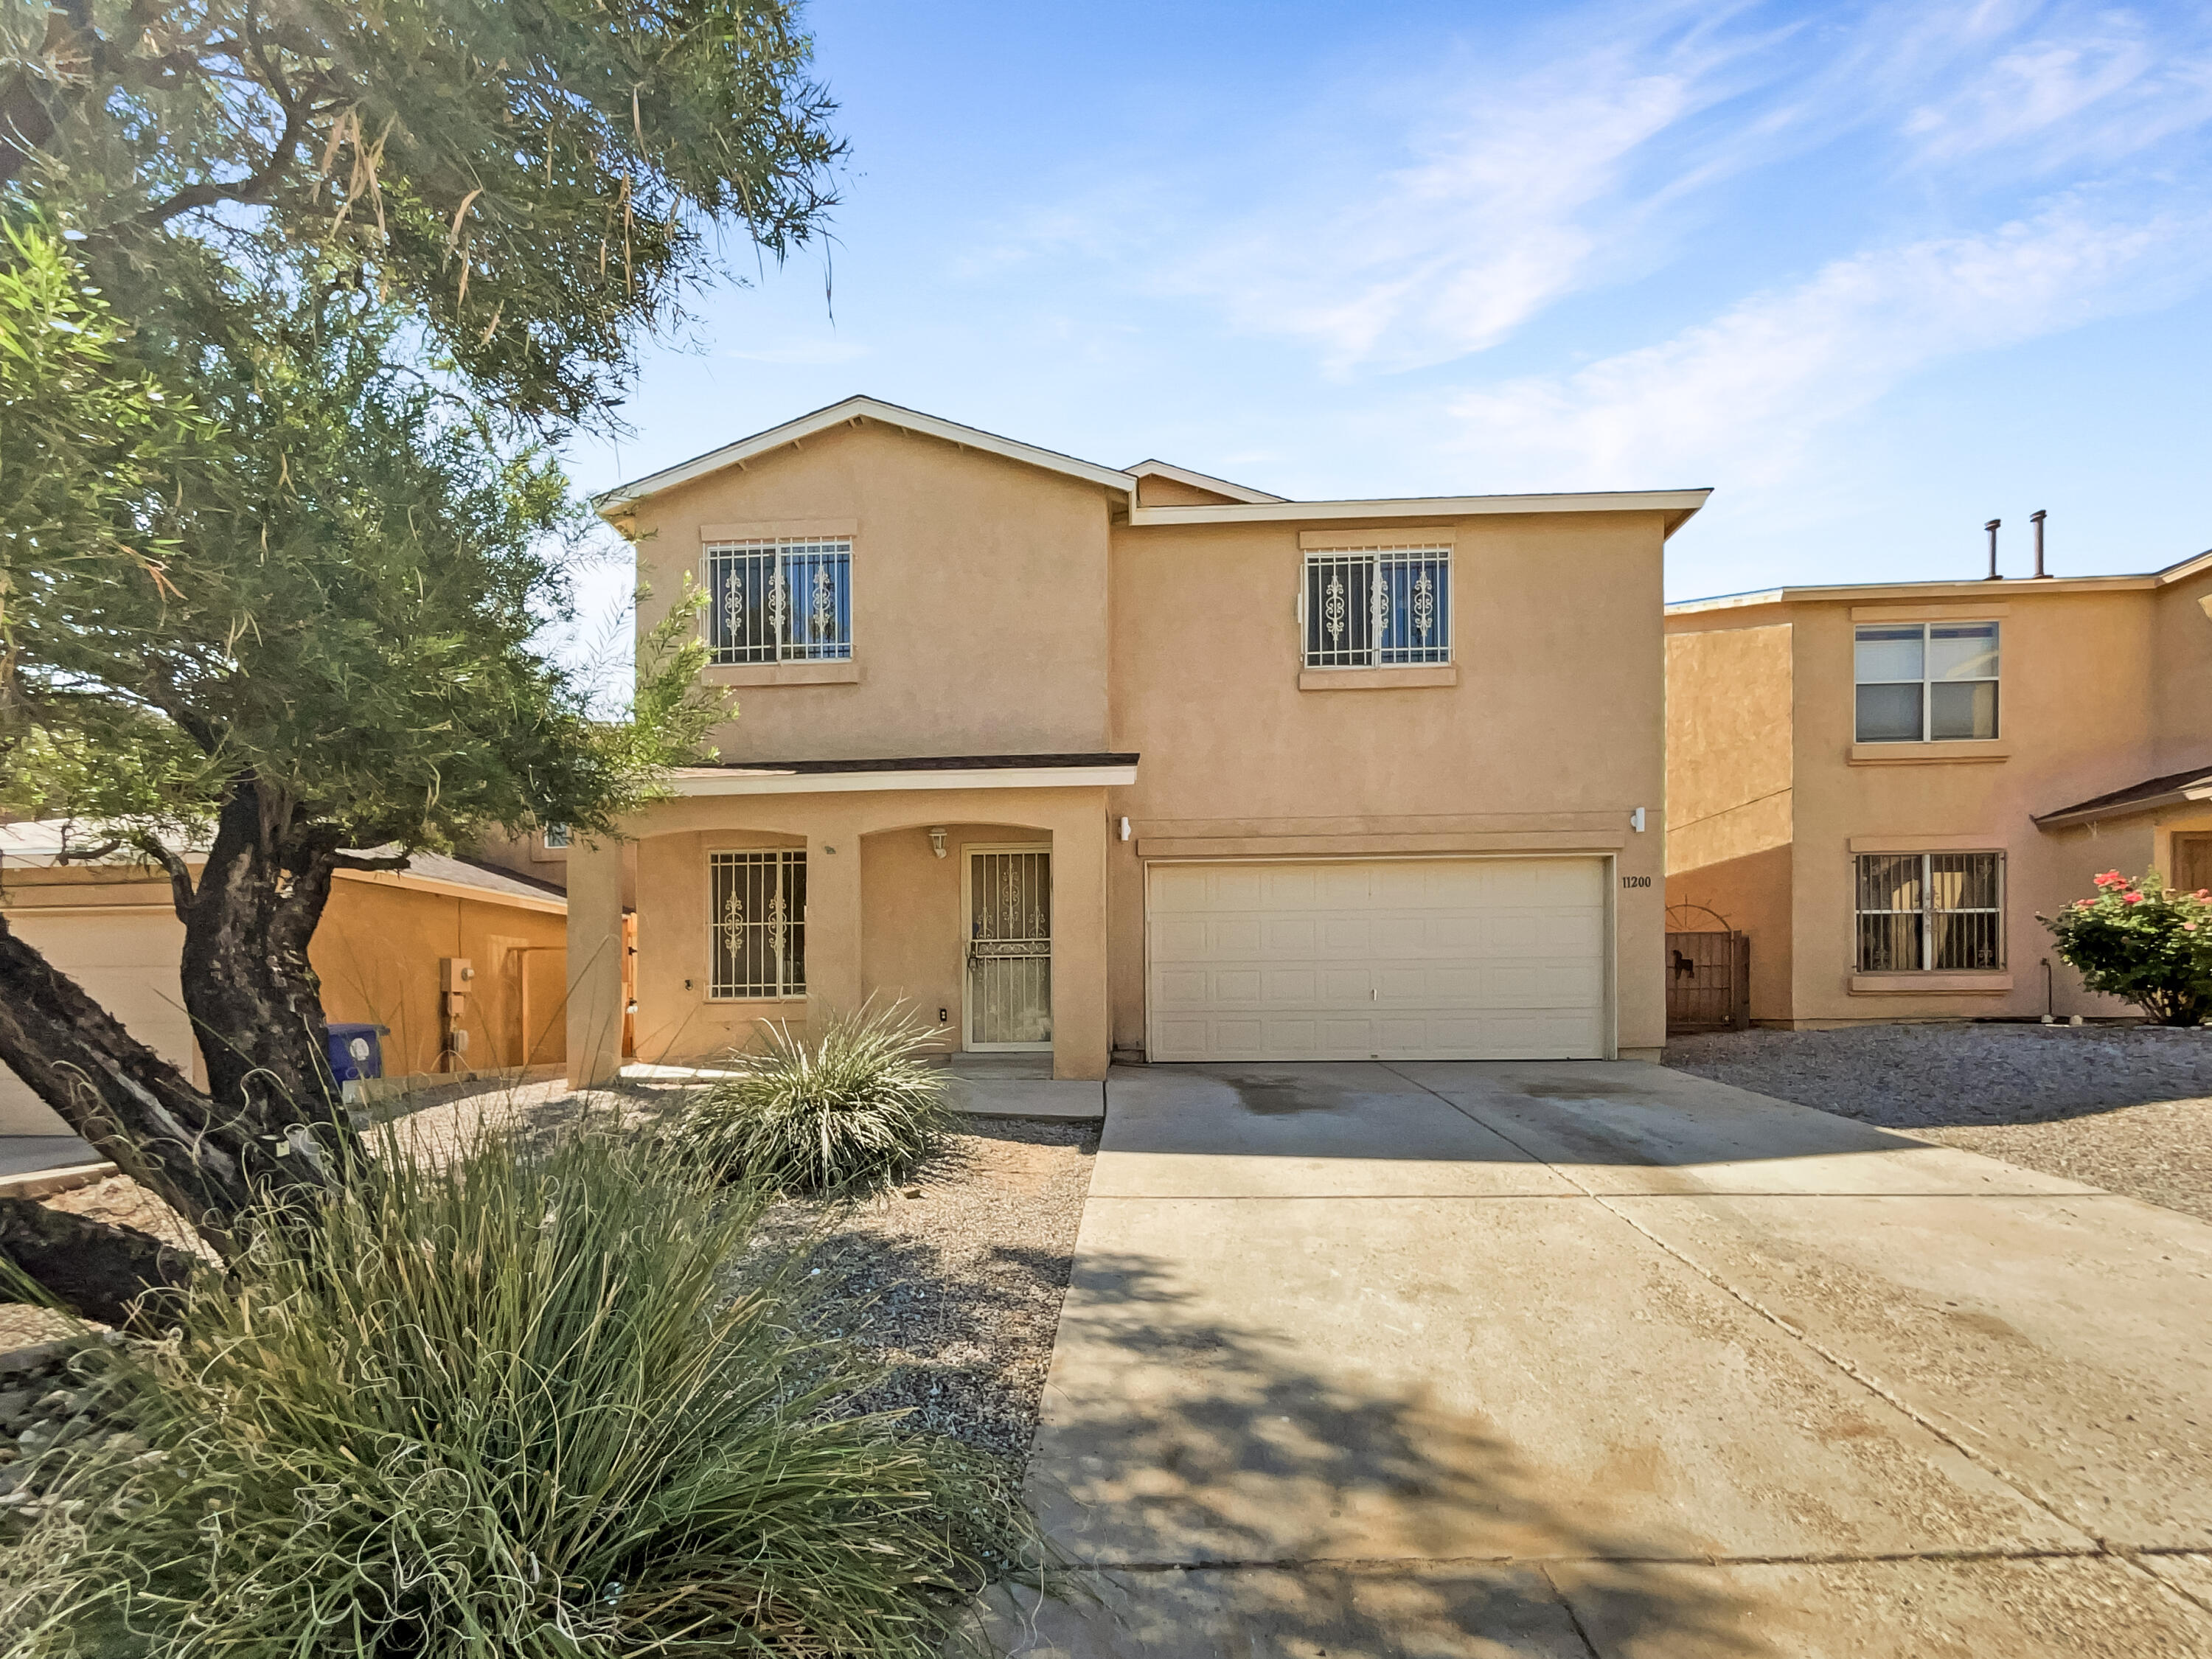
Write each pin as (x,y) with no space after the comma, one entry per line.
(1607,858)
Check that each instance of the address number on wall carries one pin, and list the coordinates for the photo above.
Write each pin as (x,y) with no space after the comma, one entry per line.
(1635,881)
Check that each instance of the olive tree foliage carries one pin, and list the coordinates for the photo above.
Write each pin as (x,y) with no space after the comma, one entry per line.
(293,300)
(537,182)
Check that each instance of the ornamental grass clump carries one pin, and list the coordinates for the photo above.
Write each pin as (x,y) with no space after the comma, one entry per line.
(845,1113)
(507,1404)
(2142,941)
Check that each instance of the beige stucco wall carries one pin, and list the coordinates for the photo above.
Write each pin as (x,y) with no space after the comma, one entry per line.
(1553,732)
(1729,701)
(884,916)
(979,587)
(376,949)
(2101,688)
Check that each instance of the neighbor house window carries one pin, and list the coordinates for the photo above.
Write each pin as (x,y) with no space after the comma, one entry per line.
(556,837)
(1927,682)
(758,924)
(1378,607)
(1930,912)
(779,601)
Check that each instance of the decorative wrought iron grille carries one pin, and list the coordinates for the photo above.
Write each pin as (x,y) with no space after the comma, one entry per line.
(1930,912)
(1378,607)
(757,925)
(1009,949)
(779,601)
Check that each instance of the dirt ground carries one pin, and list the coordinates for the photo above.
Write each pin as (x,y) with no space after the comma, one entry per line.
(2121,1106)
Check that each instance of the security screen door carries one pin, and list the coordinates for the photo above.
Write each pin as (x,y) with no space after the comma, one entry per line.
(1009,1002)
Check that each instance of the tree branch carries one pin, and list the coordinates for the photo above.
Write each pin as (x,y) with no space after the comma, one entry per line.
(181,875)
(116,1275)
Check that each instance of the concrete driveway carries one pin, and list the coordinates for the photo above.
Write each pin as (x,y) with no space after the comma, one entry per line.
(1577,1359)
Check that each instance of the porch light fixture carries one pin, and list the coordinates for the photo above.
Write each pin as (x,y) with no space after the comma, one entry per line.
(1636,820)
(937,840)
(1125,828)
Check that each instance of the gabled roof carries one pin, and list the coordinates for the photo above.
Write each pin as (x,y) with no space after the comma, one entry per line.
(2172,790)
(1183,474)
(852,412)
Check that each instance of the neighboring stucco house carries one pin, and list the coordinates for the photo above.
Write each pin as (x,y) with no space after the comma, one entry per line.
(1883,785)
(379,948)
(1141,761)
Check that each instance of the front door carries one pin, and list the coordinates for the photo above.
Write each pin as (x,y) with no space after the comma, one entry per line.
(1009,1000)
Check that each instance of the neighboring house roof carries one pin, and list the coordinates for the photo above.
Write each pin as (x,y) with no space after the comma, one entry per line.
(1183,474)
(863,408)
(2174,789)
(1970,588)
(1248,505)
(39,844)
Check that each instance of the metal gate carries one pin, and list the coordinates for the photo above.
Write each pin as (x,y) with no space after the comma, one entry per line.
(1009,1000)
(1708,979)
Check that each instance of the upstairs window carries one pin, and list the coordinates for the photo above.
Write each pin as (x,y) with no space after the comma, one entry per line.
(757,927)
(1927,682)
(1377,608)
(780,602)
(1930,912)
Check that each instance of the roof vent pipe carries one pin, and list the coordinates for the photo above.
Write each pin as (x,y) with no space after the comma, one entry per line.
(2036,519)
(1991,526)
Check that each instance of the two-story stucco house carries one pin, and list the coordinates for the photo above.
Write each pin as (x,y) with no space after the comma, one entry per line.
(1884,786)
(1136,761)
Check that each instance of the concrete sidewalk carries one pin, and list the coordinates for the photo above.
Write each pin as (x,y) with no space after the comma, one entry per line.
(1605,1359)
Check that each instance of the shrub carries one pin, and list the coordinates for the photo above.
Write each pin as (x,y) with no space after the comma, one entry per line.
(2141,941)
(508,1406)
(845,1113)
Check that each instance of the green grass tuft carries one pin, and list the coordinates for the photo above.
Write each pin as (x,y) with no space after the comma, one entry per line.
(846,1113)
(507,1404)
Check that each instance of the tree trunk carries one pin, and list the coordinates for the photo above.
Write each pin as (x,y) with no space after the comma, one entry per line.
(123,1098)
(117,1275)
(255,1003)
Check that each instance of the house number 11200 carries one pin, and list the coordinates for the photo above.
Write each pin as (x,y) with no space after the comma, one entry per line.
(1635,881)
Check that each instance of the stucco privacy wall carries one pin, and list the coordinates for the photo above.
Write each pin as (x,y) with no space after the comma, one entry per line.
(2103,685)
(978,587)
(1553,732)
(1729,702)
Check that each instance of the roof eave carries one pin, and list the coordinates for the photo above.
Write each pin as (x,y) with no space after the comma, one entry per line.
(2070,816)
(851,411)
(1677,506)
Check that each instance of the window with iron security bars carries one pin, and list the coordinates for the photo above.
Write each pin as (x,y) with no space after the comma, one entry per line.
(757,925)
(1930,912)
(1378,607)
(780,602)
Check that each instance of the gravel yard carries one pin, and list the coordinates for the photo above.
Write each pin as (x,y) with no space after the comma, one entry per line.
(957,1290)
(2127,1108)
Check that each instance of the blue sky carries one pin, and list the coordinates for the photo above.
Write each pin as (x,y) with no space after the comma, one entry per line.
(1877,273)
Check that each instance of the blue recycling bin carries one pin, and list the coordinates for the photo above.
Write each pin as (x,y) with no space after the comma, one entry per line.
(348,1063)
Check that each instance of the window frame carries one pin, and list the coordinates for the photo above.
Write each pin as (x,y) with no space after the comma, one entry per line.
(1415,561)
(784,861)
(1926,912)
(1927,682)
(718,558)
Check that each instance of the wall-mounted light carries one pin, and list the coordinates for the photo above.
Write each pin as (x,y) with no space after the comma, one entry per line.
(1636,820)
(1125,828)
(937,840)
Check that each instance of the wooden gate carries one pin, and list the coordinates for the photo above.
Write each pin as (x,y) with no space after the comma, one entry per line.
(1708,981)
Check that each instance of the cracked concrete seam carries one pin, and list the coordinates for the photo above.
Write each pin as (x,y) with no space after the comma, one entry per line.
(2025,1489)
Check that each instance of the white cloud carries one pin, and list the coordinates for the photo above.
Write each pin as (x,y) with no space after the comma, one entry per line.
(1740,399)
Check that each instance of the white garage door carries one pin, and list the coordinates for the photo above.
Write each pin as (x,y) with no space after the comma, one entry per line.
(1392,959)
(126,961)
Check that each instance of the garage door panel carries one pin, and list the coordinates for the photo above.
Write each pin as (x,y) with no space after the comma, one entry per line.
(1444,958)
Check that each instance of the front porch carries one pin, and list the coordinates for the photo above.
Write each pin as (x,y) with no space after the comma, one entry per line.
(975,891)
